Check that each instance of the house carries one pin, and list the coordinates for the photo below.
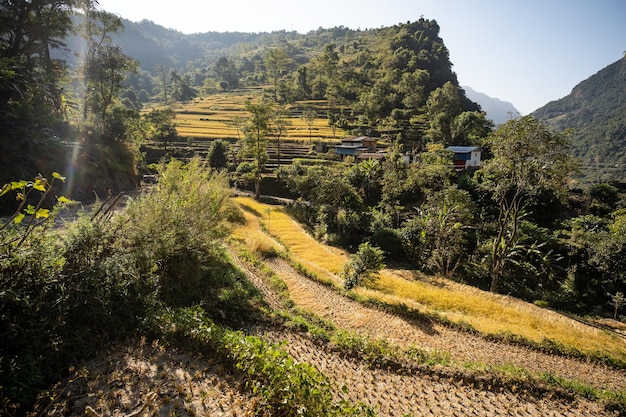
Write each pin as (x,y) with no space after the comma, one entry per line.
(353,146)
(465,157)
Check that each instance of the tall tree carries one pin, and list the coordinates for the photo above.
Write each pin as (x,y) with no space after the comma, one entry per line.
(105,70)
(33,105)
(435,238)
(162,75)
(276,61)
(105,66)
(279,123)
(226,71)
(255,144)
(528,160)
(161,126)
(443,106)
(29,31)
(309,116)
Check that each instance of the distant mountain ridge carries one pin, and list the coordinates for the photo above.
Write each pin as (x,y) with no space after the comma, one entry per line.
(596,111)
(497,110)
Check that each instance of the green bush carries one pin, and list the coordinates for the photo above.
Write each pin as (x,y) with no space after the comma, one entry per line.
(363,266)
(67,291)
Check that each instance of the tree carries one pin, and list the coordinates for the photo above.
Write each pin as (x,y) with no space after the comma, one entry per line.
(255,144)
(333,120)
(443,106)
(470,128)
(617,301)
(309,117)
(105,69)
(29,32)
(218,154)
(393,185)
(105,65)
(528,159)
(161,126)
(303,90)
(363,267)
(226,71)
(32,102)
(276,62)
(435,238)
(162,75)
(279,123)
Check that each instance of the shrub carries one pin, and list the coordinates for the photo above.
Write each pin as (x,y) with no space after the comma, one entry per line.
(363,266)
(66,293)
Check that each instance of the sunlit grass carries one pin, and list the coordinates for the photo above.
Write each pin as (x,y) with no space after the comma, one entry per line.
(212,117)
(486,312)
(496,314)
(320,259)
(252,236)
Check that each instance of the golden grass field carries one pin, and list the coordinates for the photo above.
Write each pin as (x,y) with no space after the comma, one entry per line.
(486,312)
(212,117)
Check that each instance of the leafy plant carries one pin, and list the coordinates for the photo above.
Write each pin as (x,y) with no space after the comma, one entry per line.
(363,266)
(287,388)
(68,291)
(12,235)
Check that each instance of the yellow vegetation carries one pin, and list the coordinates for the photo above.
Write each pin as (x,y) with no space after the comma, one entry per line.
(212,117)
(486,312)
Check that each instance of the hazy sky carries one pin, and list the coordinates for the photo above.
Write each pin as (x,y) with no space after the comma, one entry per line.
(528,52)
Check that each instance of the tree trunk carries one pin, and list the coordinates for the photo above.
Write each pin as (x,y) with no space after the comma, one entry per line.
(257,187)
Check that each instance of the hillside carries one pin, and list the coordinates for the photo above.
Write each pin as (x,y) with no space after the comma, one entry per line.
(596,111)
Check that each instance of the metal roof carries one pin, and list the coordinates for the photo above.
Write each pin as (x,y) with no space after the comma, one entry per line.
(462,149)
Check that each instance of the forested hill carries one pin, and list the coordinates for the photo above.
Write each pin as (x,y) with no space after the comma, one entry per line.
(382,77)
(596,111)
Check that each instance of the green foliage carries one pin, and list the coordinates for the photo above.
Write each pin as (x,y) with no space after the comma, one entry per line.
(617,301)
(287,388)
(16,229)
(161,126)
(334,208)
(256,130)
(218,155)
(528,158)
(435,239)
(105,69)
(597,248)
(363,266)
(101,277)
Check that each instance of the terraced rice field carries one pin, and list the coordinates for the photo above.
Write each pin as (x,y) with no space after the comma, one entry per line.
(215,117)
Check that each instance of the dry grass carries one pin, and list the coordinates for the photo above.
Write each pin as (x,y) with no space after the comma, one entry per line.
(486,312)
(253,237)
(325,261)
(493,313)
(212,118)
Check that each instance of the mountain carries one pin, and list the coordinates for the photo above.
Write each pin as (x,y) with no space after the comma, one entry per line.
(596,111)
(497,110)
